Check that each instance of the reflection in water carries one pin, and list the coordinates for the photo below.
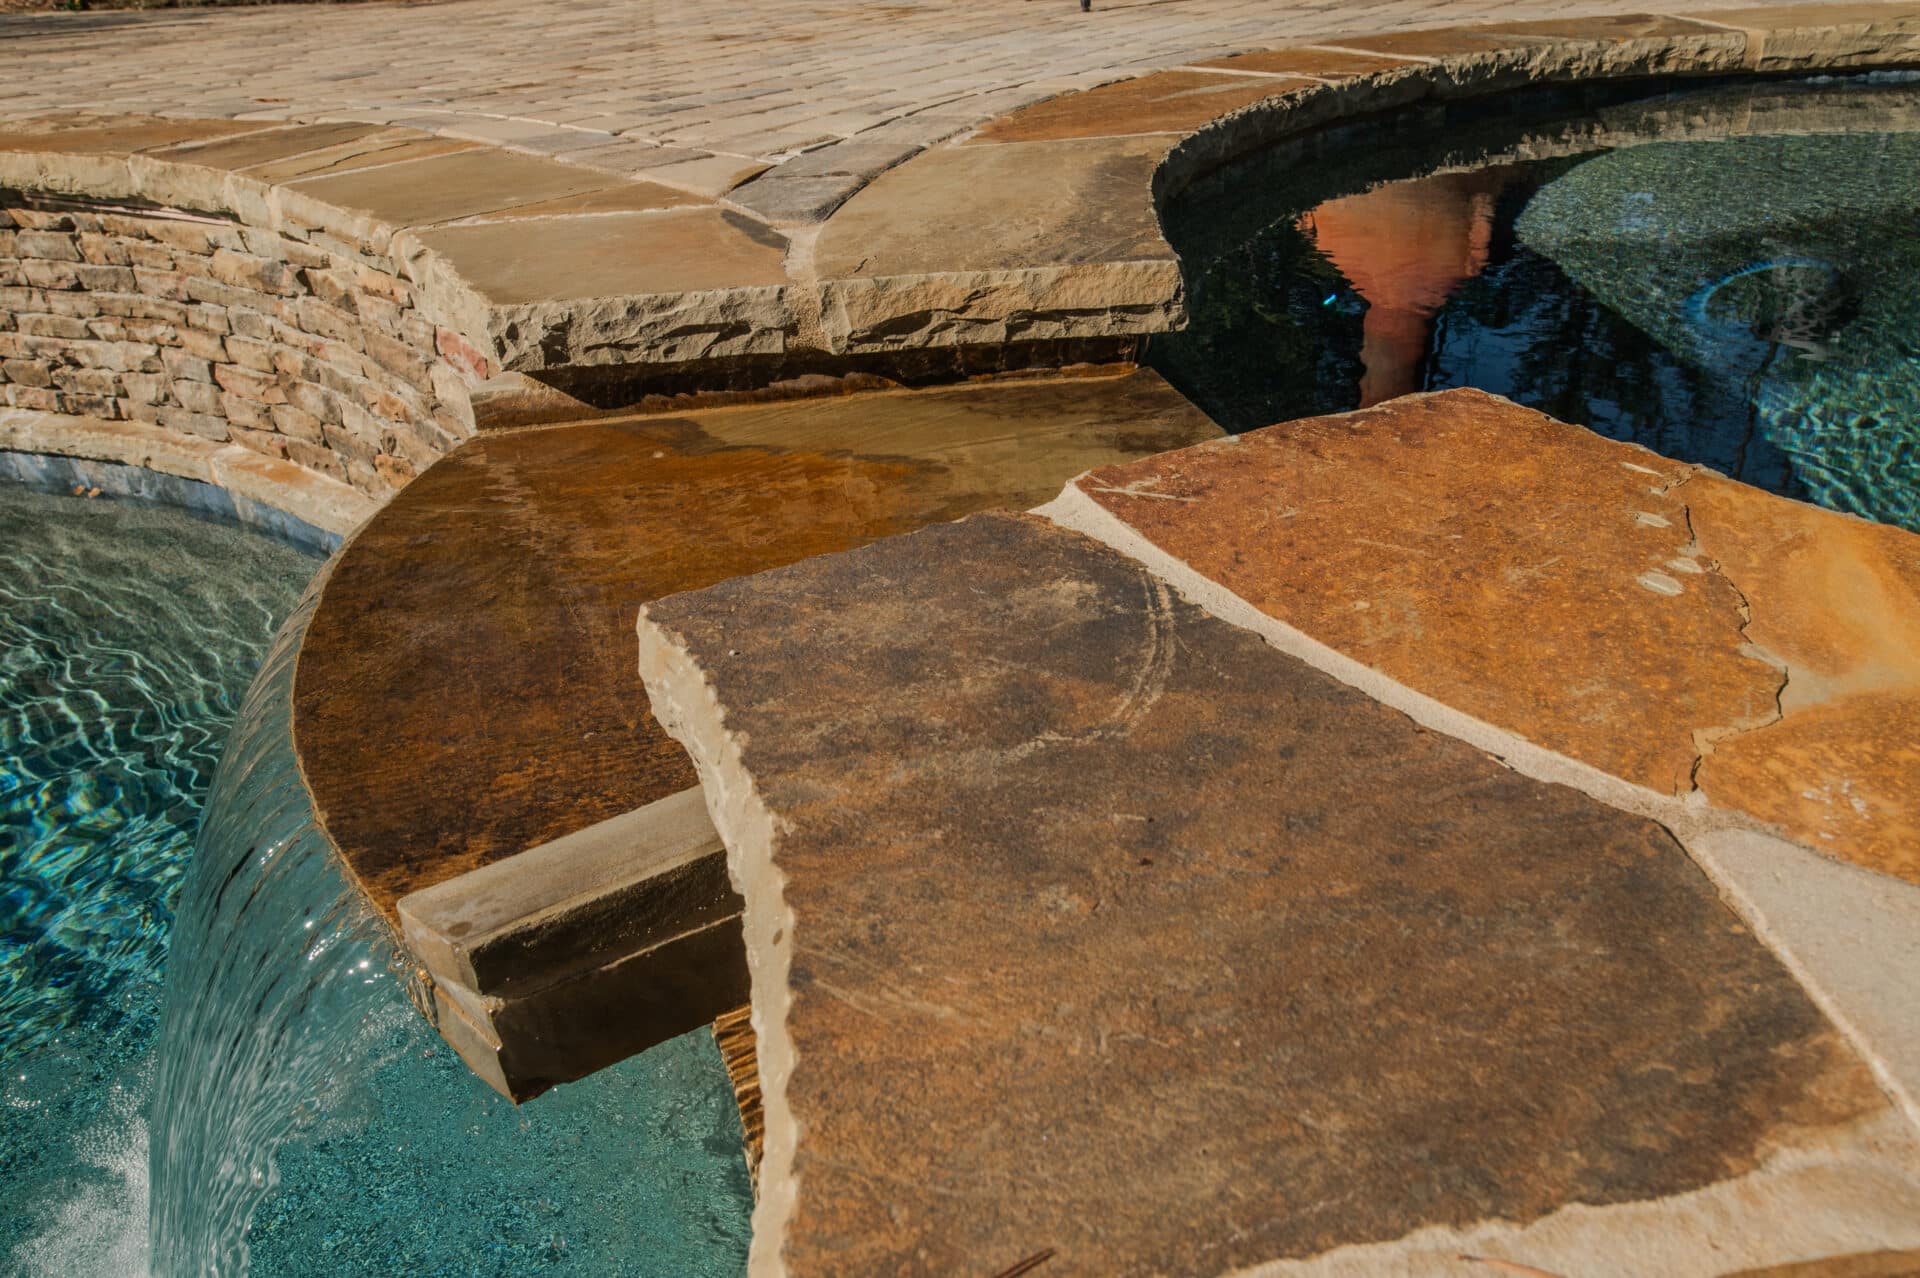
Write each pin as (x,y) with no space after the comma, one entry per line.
(1406,247)
(1747,303)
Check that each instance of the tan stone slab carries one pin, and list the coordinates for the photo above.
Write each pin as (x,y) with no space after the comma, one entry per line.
(131,443)
(1798,37)
(1166,102)
(1092,933)
(1878,1264)
(267,146)
(987,208)
(624,197)
(112,135)
(1323,64)
(1441,42)
(383,146)
(1529,573)
(1837,600)
(709,175)
(1784,17)
(617,255)
(1611,27)
(439,189)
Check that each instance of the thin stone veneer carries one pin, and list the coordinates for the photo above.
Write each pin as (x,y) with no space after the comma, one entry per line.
(1084,923)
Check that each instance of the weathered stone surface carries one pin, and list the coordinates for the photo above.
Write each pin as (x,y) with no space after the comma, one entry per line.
(623,197)
(443,187)
(1837,601)
(999,243)
(485,618)
(86,134)
(584,951)
(1321,64)
(617,255)
(1165,102)
(1084,925)
(1663,624)
(1529,573)
(382,146)
(1878,1264)
(267,145)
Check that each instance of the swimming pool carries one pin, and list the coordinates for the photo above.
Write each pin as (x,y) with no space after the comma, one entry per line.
(130,633)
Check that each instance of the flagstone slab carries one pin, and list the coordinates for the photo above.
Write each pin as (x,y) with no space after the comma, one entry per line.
(531,259)
(484,617)
(1663,624)
(1165,102)
(1091,932)
(267,145)
(82,134)
(443,187)
(1024,240)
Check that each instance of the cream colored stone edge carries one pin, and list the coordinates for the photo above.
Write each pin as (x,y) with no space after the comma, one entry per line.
(686,706)
(326,504)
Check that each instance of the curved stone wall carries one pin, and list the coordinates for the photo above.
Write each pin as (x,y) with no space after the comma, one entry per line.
(220,334)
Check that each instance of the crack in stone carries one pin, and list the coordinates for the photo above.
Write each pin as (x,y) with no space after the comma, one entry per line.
(1706,740)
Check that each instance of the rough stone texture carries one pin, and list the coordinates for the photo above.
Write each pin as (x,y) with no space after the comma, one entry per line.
(1085,924)
(1631,612)
(1879,1264)
(1323,64)
(1529,573)
(220,331)
(485,619)
(695,250)
(1166,102)
(1837,600)
(1000,243)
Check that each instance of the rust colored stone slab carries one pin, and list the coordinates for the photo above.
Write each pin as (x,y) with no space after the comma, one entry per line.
(617,255)
(467,689)
(1529,573)
(113,135)
(1837,600)
(1321,64)
(461,184)
(1086,925)
(1879,1264)
(1166,102)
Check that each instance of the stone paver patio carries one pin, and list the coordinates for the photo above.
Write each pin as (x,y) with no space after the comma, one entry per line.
(694,95)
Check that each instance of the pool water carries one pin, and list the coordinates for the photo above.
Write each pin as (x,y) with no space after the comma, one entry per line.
(1750,302)
(128,635)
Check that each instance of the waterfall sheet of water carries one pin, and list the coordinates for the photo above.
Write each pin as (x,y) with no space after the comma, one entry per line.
(271,961)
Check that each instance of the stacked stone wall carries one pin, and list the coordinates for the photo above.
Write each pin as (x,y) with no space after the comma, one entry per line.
(291,343)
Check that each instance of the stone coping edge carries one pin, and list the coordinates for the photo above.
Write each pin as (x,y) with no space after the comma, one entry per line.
(298,498)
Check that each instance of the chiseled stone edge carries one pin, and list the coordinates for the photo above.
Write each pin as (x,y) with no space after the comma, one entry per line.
(1814,1194)
(686,705)
(326,504)
(1691,819)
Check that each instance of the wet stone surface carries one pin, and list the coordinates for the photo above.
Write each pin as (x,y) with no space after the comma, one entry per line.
(467,689)
(1115,932)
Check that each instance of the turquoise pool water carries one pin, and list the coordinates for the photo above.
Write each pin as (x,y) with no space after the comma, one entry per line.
(1728,274)
(128,635)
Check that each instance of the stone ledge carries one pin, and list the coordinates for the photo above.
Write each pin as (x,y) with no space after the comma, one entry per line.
(1075,919)
(314,499)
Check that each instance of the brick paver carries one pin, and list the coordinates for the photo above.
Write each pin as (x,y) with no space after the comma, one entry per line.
(660,85)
